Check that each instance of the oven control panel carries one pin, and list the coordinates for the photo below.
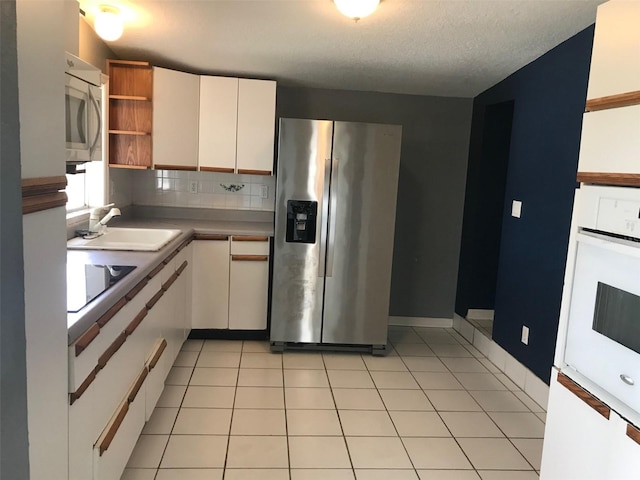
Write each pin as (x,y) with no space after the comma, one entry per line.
(609,209)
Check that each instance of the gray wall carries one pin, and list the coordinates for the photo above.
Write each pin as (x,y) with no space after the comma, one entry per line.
(14,454)
(435,141)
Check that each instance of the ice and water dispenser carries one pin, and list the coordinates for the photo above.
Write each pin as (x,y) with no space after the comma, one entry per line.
(301,221)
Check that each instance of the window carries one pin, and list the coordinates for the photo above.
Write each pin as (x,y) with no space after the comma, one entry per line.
(76,192)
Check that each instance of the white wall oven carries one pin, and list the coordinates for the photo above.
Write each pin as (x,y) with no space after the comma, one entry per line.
(603,337)
(83,111)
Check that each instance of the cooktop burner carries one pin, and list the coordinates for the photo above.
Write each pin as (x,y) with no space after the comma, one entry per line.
(86,282)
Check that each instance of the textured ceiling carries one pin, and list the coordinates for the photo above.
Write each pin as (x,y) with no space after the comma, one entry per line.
(444,48)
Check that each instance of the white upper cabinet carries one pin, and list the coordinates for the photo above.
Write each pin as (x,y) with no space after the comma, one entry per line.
(256,126)
(176,100)
(615,61)
(218,124)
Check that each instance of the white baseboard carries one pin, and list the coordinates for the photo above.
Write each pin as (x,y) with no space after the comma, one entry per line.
(421,322)
(478,314)
(520,375)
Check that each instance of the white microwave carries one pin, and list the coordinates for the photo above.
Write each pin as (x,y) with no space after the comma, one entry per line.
(603,336)
(83,111)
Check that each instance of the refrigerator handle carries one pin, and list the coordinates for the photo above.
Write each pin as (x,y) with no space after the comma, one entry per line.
(322,218)
(333,200)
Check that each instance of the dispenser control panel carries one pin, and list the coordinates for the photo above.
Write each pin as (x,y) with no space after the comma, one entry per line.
(301,221)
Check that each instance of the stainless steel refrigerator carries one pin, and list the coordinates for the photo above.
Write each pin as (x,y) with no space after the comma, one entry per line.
(334,229)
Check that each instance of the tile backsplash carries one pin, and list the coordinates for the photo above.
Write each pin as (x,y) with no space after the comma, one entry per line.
(202,190)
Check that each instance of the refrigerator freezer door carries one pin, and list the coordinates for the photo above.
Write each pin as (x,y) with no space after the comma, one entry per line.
(304,161)
(364,183)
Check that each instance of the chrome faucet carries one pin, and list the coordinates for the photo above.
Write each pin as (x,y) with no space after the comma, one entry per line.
(98,225)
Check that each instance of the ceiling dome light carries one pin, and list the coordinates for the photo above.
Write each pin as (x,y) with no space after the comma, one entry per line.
(356,9)
(108,23)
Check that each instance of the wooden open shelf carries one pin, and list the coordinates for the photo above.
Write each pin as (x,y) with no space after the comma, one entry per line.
(130,113)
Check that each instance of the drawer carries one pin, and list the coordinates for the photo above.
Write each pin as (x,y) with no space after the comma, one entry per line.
(249,245)
(158,366)
(83,356)
(113,449)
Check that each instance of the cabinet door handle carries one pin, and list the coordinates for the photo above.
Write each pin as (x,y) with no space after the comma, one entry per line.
(109,314)
(136,321)
(245,171)
(83,386)
(113,429)
(86,338)
(138,385)
(170,281)
(249,238)
(249,258)
(155,299)
(155,271)
(170,257)
(210,236)
(158,353)
(113,348)
(182,267)
(137,289)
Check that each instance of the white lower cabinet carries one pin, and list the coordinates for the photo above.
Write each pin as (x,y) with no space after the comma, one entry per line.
(210,287)
(230,283)
(109,408)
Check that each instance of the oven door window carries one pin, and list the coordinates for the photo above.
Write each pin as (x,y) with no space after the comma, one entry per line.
(76,105)
(617,316)
(603,335)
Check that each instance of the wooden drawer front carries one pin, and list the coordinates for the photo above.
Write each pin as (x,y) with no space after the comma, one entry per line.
(611,141)
(81,366)
(169,267)
(121,436)
(249,245)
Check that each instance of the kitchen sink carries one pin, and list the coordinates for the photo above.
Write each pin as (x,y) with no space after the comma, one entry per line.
(136,239)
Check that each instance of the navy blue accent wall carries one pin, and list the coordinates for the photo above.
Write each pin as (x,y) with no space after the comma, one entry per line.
(549,97)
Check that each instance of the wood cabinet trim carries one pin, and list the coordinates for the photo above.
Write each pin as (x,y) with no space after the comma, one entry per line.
(137,289)
(633,433)
(167,285)
(187,168)
(585,396)
(131,63)
(111,350)
(136,321)
(113,428)
(83,386)
(133,167)
(211,236)
(86,338)
(155,271)
(249,258)
(627,99)
(157,354)
(249,238)
(155,298)
(182,267)
(245,171)
(109,314)
(604,178)
(43,193)
(171,256)
(217,169)
(137,385)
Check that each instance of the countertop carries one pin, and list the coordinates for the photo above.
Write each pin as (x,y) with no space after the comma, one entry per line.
(145,262)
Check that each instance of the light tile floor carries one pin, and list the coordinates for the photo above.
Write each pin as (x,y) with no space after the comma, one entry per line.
(434,409)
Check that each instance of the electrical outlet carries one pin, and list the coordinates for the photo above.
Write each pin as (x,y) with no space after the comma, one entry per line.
(193,186)
(516,208)
(264,191)
(525,335)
